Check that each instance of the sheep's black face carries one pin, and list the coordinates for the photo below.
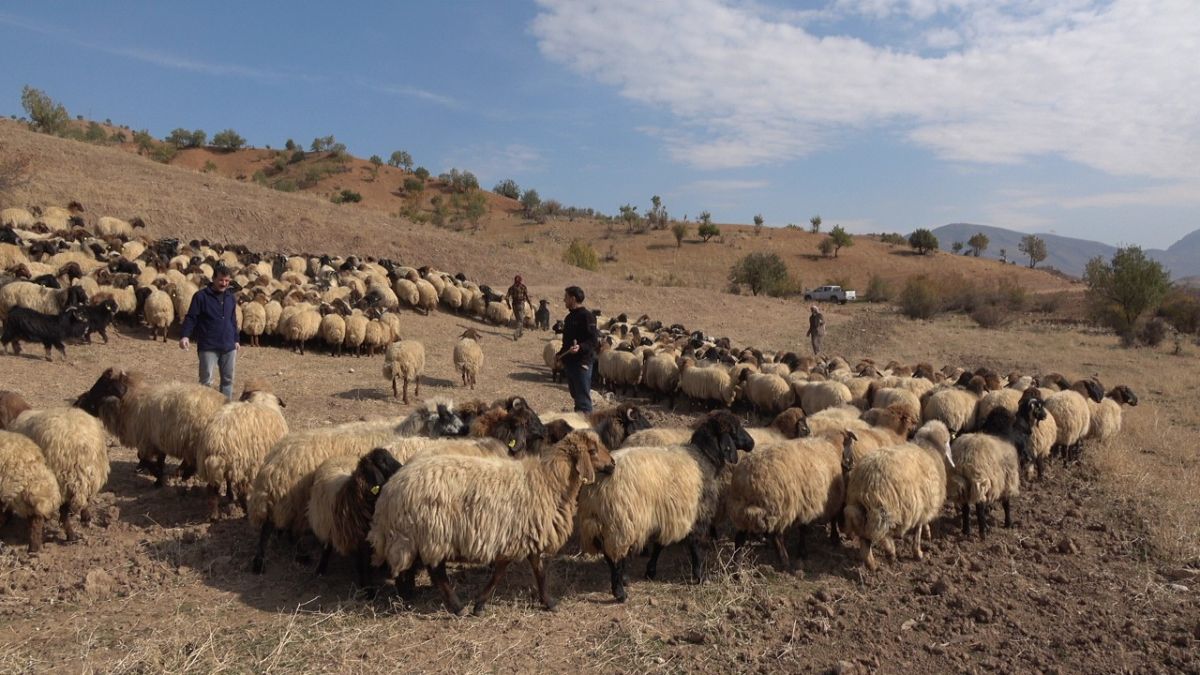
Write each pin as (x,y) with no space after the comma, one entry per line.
(802,429)
(1094,390)
(109,385)
(1127,395)
(446,423)
(375,469)
(634,420)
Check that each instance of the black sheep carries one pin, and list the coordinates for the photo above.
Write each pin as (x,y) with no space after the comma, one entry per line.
(30,326)
(99,316)
(8,236)
(541,318)
(47,280)
(123,266)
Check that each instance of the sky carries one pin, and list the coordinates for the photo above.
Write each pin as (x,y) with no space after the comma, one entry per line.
(1075,117)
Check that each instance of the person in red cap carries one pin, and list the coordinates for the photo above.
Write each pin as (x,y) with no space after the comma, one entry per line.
(517,298)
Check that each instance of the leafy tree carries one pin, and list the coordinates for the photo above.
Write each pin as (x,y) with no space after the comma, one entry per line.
(472,207)
(508,188)
(924,240)
(290,145)
(840,238)
(530,201)
(760,271)
(552,207)
(414,185)
(957,247)
(421,172)
(323,143)
(815,222)
(978,243)
(680,230)
(707,231)
(228,140)
(1121,291)
(376,161)
(581,254)
(95,133)
(630,216)
(144,141)
(758,224)
(826,246)
(657,217)
(180,138)
(401,159)
(1034,247)
(45,114)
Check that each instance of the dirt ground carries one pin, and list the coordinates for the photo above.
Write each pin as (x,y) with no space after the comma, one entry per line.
(1099,574)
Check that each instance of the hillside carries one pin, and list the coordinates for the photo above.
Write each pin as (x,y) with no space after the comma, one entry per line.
(1069,254)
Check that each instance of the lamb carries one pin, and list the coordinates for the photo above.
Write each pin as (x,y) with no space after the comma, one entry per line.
(768,393)
(73,447)
(50,330)
(468,357)
(1073,415)
(280,494)
(955,406)
(356,331)
(987,465)
(523,509)
(254,321)
(157,420)
(159,311)
(784,484)
(28,487)
(658,496)
(613,425)
(378,334)
(1106,415)
(817,396)
(711,384)
(898,490)
(550,358)
(404,360)
(235,442)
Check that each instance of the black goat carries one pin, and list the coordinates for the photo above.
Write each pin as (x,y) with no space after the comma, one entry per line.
(30,326)
(47,280)
(541,317)
(99,316)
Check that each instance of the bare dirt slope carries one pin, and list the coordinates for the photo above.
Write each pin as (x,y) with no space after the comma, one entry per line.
(1099,574)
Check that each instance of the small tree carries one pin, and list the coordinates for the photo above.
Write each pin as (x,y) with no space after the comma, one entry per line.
(473,207)
(815,223)
(290,145)
(508,188)
(840,238)
(421,172)
(923,240)
(1121,291)
(680,230)
(414,185)
(144,141)
(581,254)
(957,247)
(759,271)
(1034,247)
(376,163)
(758,224)
(45,114)
(825,247)
(180,138)
(228,140)
(978,243)
(14,172)
(401,159)
(657,217)
(530,201)
(707,230)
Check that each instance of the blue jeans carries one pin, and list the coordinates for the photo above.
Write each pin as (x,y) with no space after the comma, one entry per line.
(224,361)
(579,383)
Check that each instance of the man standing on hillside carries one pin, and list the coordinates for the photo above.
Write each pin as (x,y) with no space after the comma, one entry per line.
(517,298)
(212,318)
(578,353)
(816,329)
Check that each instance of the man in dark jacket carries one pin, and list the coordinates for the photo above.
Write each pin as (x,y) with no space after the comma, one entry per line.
(578,353)
(517,298)
(212,319)
(816,329)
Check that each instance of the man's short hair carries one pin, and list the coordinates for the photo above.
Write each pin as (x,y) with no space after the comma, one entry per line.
(575,292)
(221,271)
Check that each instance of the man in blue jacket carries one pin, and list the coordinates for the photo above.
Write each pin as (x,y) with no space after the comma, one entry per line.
(212,319)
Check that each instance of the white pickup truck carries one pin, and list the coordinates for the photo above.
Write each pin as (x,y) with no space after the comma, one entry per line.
(830,294)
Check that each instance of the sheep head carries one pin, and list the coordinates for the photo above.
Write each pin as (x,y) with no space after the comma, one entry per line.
(471,334)
(848,441)
(373,472)
(587,454)
(1123,394)
(719,436)
(12,405)
(441,420)
(113,383)
(934,436)
(791,423)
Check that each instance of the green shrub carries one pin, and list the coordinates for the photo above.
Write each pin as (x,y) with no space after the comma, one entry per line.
(286,185)
(1182,310)
(45,114)
(1011,294)
(209,167)
(413,185)
(893,239)
(163,153)
(345,197)
(992,316)
(421,172)
(95,133)
(581,254)
(707,231)
(760,271)
(259,177)
(1152,332)
(878,289)
(787,287)
(228,140)
(920,298)
(508,188)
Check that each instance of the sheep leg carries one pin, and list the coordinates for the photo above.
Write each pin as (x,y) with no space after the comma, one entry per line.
(539,573)
(785,563)
(1040,463)
(652,565)
(866,550)
(36,525)
(48,354)
(917,542)
(406,586)
(395,394)
(693,547)
(442,582)
(64,518)
(966,520)
(3,516)
(1007,512)
(258,565)
(835,537)
(214,502)
(801,545)
(366,578)
(160,470)
(498,570)
(981,517)
(416,387)
(405,390)
(323,563)
(616,573)
(85,517)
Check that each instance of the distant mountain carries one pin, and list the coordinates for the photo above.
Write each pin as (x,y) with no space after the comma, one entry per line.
(1068,254)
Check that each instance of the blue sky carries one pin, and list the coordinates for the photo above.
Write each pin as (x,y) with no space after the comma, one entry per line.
(1078,117)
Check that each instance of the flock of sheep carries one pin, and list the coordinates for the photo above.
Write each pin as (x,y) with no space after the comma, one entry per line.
(876,453)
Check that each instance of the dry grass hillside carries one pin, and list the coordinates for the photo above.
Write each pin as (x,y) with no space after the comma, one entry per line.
(1100,573)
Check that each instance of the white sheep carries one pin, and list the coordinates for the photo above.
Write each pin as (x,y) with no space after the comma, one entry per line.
(1106,415)
(404,361)
(1073,415)
(955,406)
(550,358)
(28,487)
(73,447)
(159,313)
(427,296)
(356,331)
(254,321)
(235,442)
(468,357)
(706,383)
(108,226)
(489,510)
(660,374)
(817,396)
(332,330)
(769,393)
(619,368)
(898,490)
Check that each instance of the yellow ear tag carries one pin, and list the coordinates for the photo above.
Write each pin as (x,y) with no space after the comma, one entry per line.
(374,489)
(512,444)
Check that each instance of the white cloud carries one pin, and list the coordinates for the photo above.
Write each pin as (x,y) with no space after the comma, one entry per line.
(409,92)
(725,185)
(492,163)
(1109,84)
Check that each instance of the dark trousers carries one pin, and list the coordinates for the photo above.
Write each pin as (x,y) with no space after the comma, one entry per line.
(579,382)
